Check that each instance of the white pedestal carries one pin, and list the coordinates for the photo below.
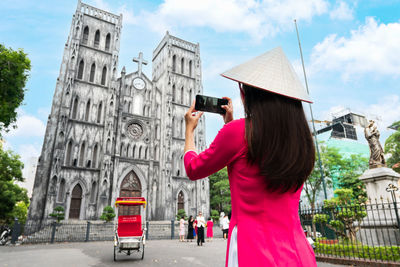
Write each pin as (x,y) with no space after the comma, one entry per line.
(377,180)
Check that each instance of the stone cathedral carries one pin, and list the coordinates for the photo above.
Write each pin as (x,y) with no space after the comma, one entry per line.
(111,135)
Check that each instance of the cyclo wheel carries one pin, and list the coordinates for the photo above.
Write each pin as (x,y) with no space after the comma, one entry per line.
(142,250)
(115,253)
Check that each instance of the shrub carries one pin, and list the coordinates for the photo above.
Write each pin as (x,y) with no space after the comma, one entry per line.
(215,215)
(181,213)
(58,214)
(108,214)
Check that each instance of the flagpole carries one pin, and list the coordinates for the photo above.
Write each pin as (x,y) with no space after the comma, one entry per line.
(312,116)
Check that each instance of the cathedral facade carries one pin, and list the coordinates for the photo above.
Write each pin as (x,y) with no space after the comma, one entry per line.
(111,135)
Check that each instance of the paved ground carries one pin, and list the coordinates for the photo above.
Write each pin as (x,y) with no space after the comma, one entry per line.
(157,253)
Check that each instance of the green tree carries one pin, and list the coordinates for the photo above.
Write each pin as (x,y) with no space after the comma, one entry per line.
(10,192)
(58,213)
(14,70)
(392,148)
(220,194)
(215,215)
(20,211)
(345,211)
(108,214)
(181,213)
(351,169)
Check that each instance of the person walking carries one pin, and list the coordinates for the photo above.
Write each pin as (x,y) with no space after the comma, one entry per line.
(201,223)
(190,229)
(269,154)
(182,229)
(225,227)
(210,232)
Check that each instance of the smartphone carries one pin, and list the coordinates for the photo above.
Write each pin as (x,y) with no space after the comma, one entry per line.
(210,104)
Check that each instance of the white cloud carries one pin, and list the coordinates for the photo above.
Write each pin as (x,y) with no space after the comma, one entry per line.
(27,126)
(259,19)
(342,11)
(371,49)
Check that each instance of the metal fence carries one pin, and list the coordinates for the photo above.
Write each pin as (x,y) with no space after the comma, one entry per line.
(355,232)
(85,231)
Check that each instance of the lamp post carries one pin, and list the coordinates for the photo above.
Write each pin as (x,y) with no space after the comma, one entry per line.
(312,117)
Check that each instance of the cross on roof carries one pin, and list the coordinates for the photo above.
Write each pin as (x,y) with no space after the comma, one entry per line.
(140,61)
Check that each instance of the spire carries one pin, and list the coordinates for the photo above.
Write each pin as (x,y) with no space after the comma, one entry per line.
(123,71)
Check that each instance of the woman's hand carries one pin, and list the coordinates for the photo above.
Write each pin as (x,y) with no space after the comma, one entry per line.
(228,116)
(192,118)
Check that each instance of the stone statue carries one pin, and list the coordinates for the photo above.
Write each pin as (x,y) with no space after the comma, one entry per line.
(377,158)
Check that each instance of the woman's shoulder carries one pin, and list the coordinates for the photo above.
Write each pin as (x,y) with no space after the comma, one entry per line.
(234,128)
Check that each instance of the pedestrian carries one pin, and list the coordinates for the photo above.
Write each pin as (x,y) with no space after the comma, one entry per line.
(182,229)
(210,232)
(225,226)
(269,155)
(201,223)
(190,229)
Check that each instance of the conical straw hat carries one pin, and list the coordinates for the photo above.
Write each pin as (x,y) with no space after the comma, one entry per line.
(270,71)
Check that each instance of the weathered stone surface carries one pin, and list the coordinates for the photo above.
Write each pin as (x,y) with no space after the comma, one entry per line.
(102,128)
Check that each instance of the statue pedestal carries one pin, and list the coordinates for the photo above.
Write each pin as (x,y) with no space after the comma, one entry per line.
(380,226)
(377,180)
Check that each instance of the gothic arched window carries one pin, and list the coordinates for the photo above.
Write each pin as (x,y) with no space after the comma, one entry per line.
(156,152)
(173,127)
(181,201)
(128,150)
(133,151)
(190,68)
(94,159)
(93,193)
(173,93)
(68,154)
(121,149)
(87,114)
(140,152)
(85,35)
(182,95)
(74,112)
(182,65)
(92,72)
(80,69)
(53,185)
(145,153)
(108,39)
(103,76)
(97,39)
(99,110)
(174,63)
(61,191)
(190,97)
(82,155)
(108,146)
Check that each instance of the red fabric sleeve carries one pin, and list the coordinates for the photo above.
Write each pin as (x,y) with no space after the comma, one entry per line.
(223,150)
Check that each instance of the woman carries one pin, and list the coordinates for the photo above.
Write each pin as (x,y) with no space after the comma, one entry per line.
(210,232)
(182,229)
(269,155)
(190,229)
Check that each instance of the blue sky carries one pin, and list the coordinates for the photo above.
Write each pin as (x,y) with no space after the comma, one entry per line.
(351,50)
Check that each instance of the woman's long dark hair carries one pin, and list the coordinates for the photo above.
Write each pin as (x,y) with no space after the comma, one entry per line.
(279,139)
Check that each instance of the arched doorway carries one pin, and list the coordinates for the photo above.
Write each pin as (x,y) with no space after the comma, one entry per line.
(181,201)
(76,200)
(130,187)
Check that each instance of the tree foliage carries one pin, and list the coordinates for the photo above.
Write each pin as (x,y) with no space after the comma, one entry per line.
(392,148)
(10,192)
(108,214)
(220,194)
(14,69)
(345,170)
(58,213)
(20,211)
(344,211)
(181,213)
